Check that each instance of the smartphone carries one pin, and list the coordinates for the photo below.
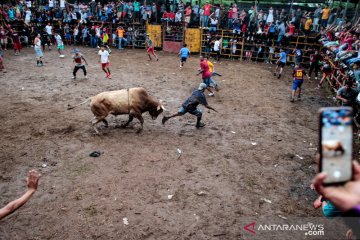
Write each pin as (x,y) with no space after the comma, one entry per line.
(336,144)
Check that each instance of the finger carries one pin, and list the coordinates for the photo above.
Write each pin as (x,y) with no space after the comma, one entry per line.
(356,170)
(319,183)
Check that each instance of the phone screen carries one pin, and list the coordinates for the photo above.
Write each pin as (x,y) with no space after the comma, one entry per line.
(336,139)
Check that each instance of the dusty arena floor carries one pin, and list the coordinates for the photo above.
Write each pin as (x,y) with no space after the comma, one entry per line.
(259,146)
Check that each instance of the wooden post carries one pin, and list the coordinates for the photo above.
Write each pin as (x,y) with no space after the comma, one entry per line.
(201,41)
(242,48)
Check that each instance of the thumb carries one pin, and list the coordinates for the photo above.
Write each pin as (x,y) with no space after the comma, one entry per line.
(319,183)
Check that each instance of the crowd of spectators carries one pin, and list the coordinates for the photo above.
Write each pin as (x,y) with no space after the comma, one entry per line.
(264,31)
(252,21)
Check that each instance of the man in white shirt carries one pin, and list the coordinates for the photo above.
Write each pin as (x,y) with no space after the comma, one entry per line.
(178,17)
(213,24)
(217,44)
(48,29)
(60,45)
(51,3)
(104,60)
(27,16)
(62,4)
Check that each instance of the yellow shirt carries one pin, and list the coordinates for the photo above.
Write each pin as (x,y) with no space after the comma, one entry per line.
(211,66)
(308,24)
(325,13)
(120,32)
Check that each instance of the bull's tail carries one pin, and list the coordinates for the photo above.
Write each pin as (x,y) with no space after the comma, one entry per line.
(72,107)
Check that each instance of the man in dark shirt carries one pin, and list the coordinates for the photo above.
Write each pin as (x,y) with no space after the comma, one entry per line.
(314,63)
(190,106)
(347,94)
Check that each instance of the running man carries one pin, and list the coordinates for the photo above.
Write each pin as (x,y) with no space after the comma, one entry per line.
(104,60)
(79,60)
(281,62)
(184,54)
(298,74)
(190,106)
(206,74)
(38,50)
(213,73)
(60,45)
(150,48)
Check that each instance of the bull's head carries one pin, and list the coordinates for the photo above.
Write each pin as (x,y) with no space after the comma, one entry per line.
(154,113)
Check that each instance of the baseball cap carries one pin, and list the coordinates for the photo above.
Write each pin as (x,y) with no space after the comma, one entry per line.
(76,50)
(202,86)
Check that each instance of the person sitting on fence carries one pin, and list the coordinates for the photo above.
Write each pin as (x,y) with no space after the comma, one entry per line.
(213,24)
(171,16)
(165,17)
(290,32)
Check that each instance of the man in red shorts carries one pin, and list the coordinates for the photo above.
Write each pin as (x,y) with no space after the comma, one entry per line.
(104,60)
(150,48)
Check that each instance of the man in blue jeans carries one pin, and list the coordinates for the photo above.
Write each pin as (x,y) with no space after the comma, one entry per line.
(190,106)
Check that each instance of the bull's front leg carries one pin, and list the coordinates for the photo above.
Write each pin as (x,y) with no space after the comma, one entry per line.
(127,123)
(138,116)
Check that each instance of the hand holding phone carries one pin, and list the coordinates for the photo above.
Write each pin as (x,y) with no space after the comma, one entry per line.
(335,144)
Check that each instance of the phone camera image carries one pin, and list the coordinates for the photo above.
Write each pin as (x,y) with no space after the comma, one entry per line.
(336,144)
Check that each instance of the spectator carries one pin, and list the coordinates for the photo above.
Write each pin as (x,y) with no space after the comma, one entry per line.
(325,16)
(136,10)
(356,71)
(347,94)
(187,15)
(307,26)
(207,11)
(120,34)
(213,24)
(196,9)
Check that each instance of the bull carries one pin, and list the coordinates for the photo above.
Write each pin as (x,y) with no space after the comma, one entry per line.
(333,147)
(132,101)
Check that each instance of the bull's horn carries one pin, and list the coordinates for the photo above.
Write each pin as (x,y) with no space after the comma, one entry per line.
(163,108)
(158,107)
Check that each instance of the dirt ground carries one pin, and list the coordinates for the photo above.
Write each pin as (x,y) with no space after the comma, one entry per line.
(258,146)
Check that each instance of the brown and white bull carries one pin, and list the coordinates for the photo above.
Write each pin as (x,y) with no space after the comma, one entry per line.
(132,101)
